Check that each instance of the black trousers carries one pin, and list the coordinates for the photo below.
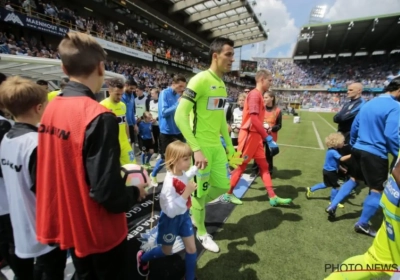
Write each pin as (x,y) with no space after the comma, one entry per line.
(7,248)
(156,135)
(110,265)
(269,158)
(48,266)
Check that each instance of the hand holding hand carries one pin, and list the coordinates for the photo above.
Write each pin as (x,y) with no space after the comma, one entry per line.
(192,186)
(199,160)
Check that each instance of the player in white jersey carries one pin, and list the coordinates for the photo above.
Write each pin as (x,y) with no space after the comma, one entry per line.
(6,234)
(140,108)
(152,107)
(236,119)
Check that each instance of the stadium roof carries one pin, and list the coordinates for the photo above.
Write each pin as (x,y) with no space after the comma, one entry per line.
(209,19)
(37,68)
(378,33)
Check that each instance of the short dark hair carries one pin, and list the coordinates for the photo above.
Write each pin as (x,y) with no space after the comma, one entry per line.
(393,85)
(217,45)
(130,82)
(42,82)
(178,78)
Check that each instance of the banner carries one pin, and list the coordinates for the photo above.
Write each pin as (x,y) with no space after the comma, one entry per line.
(167,62)
(248,66)
(107,45)
(366,89)
(323,110)
(31,22)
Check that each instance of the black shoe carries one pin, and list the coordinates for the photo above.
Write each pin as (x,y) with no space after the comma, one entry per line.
(331,212)
(364,229)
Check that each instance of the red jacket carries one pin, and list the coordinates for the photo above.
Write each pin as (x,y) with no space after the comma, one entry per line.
(66,214)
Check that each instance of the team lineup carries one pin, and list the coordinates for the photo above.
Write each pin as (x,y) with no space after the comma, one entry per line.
(72,172)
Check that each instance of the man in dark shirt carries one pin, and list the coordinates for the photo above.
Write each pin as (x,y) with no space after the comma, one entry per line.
(78,157)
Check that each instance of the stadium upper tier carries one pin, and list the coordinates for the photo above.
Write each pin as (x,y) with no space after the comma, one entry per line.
(353,36)
(372,71)
(59,18)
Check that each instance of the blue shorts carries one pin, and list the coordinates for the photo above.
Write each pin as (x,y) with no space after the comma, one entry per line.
(169,229)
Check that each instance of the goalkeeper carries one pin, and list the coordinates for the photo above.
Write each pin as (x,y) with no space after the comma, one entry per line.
(251,136)
(201,119)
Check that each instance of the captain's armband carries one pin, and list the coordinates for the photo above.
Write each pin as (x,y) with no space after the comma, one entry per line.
(189,95)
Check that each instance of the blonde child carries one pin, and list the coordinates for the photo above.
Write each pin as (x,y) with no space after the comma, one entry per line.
(175,203)
(330,176)
(146,134)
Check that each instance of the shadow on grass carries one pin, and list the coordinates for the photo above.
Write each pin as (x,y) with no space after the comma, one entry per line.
(283,191)
(233,261)
(249,226)
(286,174)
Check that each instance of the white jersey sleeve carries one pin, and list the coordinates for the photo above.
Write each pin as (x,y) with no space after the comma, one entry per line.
(172,203)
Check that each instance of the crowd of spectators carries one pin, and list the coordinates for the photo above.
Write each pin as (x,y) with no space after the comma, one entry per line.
(62,14)
(288,73)
(151,77)
(372,71)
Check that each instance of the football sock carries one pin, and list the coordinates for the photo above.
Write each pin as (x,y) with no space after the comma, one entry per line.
(265,176)
(344,191)
(190,265)
(157,167)
(143,157)
(199,214)
(235,176)
(155,253)
(148,157)
(318,187)
(371,205)
(334,192)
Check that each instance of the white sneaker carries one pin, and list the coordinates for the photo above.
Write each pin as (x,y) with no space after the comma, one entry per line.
(208,243)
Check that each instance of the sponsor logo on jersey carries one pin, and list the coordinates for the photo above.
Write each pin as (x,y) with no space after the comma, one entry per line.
(189,93)
(216,103)
(16,167)
(121,119)
(52,130)
(392,191)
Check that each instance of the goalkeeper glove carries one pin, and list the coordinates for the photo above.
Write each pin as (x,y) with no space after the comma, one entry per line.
(230,150)
(273,147)
(235,160)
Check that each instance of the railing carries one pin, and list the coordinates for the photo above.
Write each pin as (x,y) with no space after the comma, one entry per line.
(50,19)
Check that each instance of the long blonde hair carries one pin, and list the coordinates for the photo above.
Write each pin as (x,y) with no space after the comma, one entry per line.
(174,152)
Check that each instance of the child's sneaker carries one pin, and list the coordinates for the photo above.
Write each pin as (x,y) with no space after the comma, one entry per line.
(339,205)
(153,180)
(308,193)
(142,268)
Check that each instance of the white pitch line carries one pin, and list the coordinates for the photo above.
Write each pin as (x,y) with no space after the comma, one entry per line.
(327,122)
(295,146)
(321,146)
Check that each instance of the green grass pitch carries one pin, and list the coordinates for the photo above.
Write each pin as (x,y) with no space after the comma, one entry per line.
(260,242)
